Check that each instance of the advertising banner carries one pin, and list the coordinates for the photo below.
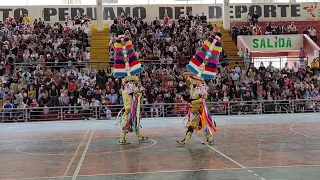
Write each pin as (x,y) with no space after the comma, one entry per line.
(238,12)
(273,43)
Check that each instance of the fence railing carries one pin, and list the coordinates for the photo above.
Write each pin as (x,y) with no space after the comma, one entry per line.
(278,62)
(83,64)
(157,110)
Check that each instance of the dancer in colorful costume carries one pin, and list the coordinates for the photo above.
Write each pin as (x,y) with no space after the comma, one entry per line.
(127,66)
(202,66)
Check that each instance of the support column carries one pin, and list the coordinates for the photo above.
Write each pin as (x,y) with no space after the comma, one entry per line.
(99,15)
(226,15)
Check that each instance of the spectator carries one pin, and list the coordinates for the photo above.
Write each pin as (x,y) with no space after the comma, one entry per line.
(315,65)
(249,18)
(292,28)
(313,34)
(234,75)
(302,55)
(268,29)
(246,58)
(255,18)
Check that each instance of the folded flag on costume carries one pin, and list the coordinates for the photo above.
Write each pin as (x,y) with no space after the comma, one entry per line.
(126,62)
(205,62)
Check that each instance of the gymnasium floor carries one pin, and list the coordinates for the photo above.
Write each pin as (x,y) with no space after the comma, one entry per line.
(252,147)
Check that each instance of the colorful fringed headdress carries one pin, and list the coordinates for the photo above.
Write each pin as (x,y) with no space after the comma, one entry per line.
(126,62)
(204,63)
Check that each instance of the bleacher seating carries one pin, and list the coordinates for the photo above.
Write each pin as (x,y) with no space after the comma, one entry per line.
(300,25)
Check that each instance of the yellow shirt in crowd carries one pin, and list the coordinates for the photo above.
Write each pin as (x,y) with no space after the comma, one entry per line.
(32,94)
(26,20)
(314,64)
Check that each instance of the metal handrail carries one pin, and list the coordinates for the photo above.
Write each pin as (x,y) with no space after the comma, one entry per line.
(255,60)
(87,64)
(160,110)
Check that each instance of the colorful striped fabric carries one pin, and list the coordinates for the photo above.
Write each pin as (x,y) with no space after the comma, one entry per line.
(132,121)
(208,125)
(126,62)
(205,62)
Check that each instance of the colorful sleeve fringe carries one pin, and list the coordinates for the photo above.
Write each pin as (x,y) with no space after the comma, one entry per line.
(132,120)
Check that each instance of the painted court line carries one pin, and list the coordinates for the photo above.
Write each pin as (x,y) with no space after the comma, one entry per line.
(82,157)
(18,149)
(296,132)
(75,154)
(41,154)
(225,156)
(155,172)
(175,171)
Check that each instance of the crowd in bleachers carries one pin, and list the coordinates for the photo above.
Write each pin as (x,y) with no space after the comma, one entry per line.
(172,34)
(30,51)
(167,40)
(162,40)
(44,83)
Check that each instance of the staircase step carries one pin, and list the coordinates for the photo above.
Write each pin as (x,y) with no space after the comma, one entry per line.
(94,30)
(232,50)
(101,58)
(98,46)
(100,33)
(97,61)
(99,39)
(105,32)
(105,36)
(98,52)
(102,43)
(95,26)
(230,47)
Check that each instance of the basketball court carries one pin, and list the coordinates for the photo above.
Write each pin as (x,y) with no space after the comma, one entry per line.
(251,147)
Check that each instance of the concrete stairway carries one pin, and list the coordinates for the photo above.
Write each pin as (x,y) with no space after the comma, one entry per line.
(229,46)
(99,51)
